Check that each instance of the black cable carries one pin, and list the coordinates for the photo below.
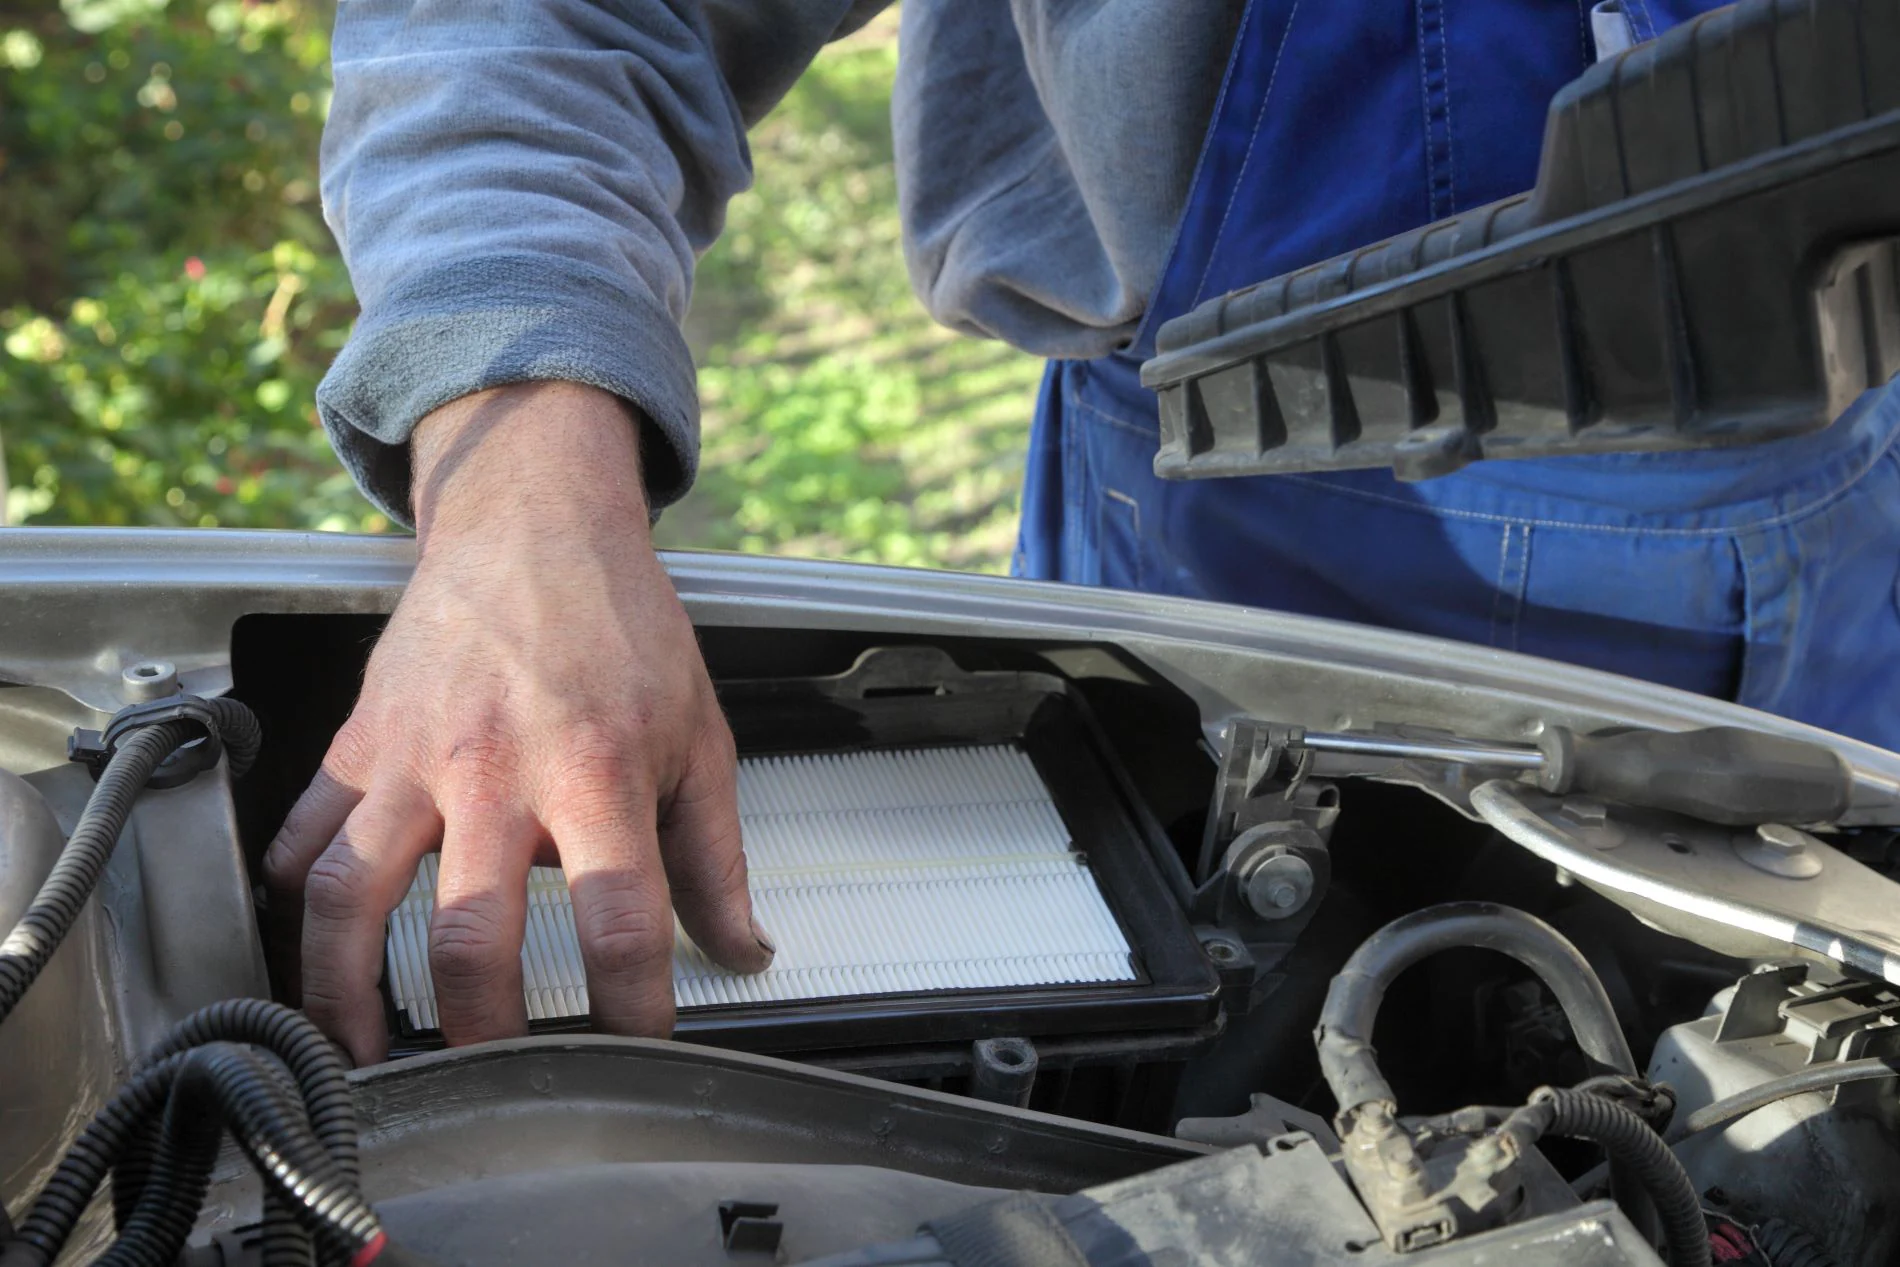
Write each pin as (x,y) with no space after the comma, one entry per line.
(1763,1094)
(1634,1149)
(71,881)
(293,1038)
(66,1194)
(157,1191)
(1352,1004)
(270,1126)
(239,731)
(116,1137)
(318,1070)
(231,1086)
(76,872)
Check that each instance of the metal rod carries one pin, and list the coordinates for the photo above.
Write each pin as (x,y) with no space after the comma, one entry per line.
(1494,756)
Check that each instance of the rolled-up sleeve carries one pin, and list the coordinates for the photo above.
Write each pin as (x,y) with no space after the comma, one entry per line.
(520,188)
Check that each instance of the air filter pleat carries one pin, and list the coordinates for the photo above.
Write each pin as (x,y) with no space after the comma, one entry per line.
(900,872)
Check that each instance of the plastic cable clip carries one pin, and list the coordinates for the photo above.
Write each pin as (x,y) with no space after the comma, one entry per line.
(94,749)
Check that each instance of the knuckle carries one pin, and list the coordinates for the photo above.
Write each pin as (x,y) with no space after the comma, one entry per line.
(627,940)
(282,873)
(468,944)
(478,762)
(596,750)
(337,883)
(352,748)
(597,780)
(322,1002)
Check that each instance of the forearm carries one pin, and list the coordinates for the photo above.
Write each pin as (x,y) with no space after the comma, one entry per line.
(558,452)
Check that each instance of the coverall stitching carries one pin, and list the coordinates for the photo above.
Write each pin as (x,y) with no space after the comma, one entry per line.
(1145,433)
(1266,98)
(1649,20)
(1438,135)
(1786,517)
(1583,32)
(1498,585)
(1425,103)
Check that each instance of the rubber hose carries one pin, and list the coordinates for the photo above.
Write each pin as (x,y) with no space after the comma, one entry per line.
(1763,1094)
(1634,1149)
(60,899)
(282,1241)
(1352,1003)
(1786,1245)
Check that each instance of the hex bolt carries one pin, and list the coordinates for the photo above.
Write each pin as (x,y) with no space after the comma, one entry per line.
(1780,850)
(150,680)
(1275,883)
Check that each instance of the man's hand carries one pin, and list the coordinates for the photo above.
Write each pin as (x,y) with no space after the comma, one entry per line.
(537,696)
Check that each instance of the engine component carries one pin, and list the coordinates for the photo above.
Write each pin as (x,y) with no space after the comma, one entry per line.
(471,1154)
(1223,1211)
(1721,774)
(943,856)
(888,872)
(1822,1156)
(1426,1188)
(54,1052)
(1003,1070)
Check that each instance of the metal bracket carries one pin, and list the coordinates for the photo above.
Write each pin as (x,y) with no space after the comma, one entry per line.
(1707,883)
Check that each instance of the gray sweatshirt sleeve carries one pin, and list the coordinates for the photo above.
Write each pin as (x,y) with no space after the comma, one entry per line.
(520,187)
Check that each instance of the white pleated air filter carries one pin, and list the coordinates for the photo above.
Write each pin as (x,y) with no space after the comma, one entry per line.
(897,872)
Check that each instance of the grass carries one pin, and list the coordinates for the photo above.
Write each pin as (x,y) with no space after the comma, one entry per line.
(839,420)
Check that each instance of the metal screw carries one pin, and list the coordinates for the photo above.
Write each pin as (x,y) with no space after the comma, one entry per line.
(150,680)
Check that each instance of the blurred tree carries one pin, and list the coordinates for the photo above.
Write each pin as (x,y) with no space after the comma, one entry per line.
(169,296)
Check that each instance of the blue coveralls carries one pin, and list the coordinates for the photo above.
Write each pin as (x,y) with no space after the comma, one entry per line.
(1769,575)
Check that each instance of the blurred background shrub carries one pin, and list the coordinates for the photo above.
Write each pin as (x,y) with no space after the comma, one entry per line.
(169,299)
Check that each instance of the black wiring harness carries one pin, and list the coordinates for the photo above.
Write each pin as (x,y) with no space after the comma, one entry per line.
(250,1068)
(168,739)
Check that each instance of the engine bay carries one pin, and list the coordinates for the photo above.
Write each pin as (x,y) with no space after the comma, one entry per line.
(1089,954)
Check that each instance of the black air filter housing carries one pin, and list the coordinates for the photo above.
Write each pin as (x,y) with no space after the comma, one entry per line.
(1707,259)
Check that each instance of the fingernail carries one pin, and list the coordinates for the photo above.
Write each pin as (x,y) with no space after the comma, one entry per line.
(762,937)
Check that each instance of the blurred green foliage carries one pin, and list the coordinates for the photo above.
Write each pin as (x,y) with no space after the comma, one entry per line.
(169,296)
(839,420)
(169,299)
